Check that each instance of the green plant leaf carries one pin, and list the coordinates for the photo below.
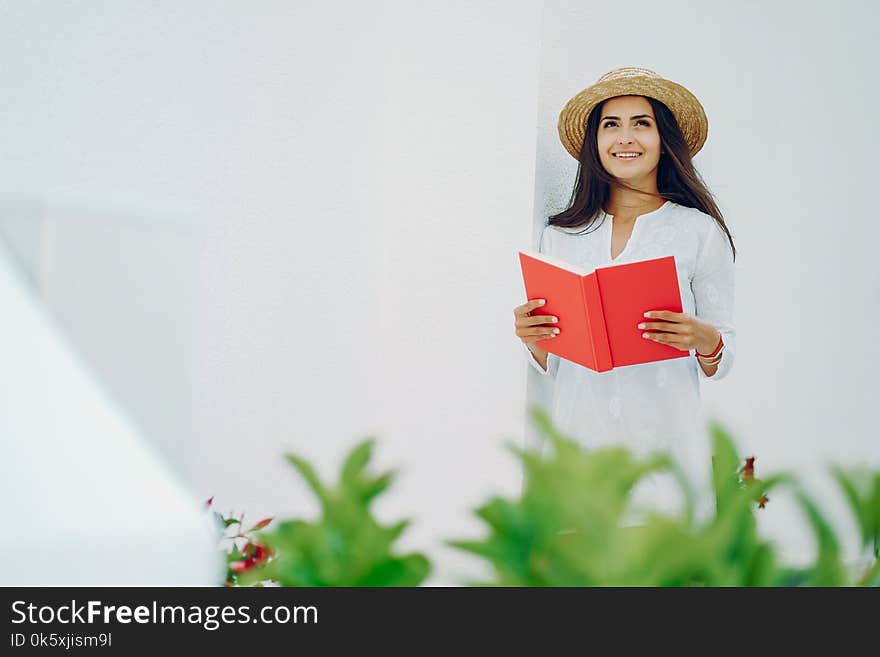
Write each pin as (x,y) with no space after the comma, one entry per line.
(311,477)
(725,466)
(874,505)
(409,570)
(762,570)
(345,546)
(356,461)
(828,570)
(374,487)
(859,501)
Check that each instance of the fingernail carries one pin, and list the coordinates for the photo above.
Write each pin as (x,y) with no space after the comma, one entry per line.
(644,335)
(554,319)
(555,331)
(541,302)
(647,314)
(641,326)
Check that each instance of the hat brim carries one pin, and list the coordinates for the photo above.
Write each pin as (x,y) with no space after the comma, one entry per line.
(688,111)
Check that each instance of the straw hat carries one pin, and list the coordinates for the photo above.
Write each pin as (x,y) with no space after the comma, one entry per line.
(633,82)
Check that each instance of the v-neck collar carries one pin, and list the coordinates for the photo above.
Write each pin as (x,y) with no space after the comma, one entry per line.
(610,232)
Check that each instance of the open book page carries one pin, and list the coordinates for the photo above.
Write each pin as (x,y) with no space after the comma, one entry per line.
(562,264)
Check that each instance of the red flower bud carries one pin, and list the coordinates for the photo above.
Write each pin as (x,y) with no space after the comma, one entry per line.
(748,470)
(747,475)
(254,554)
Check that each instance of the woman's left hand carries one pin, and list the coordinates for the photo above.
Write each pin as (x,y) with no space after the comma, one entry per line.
(680,331)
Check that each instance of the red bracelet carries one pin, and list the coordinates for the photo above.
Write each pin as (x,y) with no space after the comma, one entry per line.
(717,349)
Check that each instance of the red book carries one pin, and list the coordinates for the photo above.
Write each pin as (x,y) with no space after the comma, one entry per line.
(599,311)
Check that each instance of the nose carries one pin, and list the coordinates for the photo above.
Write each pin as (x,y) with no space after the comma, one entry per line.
(624,139)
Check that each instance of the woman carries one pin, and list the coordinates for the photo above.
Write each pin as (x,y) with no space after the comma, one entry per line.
(637,196)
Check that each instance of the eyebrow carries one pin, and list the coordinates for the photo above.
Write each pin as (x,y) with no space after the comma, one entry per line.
(635,116)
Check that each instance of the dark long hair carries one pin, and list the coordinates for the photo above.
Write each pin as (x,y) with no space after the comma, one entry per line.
(677,179)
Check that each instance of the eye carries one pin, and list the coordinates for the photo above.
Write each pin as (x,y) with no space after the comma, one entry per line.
(608,124)
(643,122)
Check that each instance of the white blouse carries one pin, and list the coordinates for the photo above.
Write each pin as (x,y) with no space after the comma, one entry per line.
(651,406)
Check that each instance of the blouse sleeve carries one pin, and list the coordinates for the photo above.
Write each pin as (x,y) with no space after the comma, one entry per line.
(713,290)
(552,359)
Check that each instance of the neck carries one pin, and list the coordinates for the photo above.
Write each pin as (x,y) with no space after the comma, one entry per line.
(628,204)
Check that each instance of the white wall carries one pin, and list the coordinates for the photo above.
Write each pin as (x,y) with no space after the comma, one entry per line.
(88,503)
(366,172)
(370,290)
(789,91)
(121,282)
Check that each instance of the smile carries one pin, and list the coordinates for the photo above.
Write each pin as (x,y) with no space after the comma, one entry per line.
(626,156)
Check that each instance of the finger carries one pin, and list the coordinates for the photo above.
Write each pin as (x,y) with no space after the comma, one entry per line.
(529,306)
(536,333)
(665,314)
(666,338)
(533,320)
(542,319)
(672,327)
(535,303)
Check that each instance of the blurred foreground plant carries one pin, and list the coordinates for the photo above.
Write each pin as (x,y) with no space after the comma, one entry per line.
(567,528)
(243,550)
(346,546)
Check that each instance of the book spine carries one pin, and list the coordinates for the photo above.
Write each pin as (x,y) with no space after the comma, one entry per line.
(596,323)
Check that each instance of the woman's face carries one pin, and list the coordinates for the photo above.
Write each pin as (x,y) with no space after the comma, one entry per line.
(628,140)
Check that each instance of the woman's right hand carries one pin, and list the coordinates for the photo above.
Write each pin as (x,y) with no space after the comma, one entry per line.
(529,327)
